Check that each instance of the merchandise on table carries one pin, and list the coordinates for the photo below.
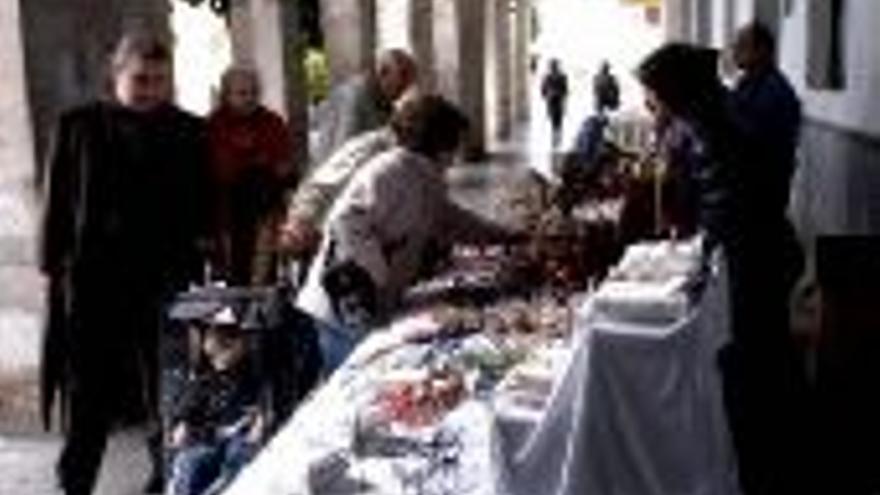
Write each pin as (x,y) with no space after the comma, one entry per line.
(423,397)
(528,386)
(418,398)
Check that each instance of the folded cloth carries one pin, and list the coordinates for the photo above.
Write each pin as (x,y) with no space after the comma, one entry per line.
(642,302)
(659,261)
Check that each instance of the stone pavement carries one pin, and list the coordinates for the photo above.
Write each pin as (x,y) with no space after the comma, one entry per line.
(27,465)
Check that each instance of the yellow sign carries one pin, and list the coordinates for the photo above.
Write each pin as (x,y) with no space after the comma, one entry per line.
(643,3)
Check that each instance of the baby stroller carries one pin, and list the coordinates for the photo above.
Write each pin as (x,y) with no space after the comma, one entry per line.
(279,344)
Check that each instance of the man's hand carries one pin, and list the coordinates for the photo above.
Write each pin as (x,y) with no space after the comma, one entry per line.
(257,428)
(178,436)
(299,236)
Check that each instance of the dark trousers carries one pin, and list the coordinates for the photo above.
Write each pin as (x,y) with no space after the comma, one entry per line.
(244,208)
(765,388)
(556,114)
(113,360)
(88,430)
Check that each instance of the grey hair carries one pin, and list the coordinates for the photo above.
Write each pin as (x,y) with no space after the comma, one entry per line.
(140,45)
(400,58)
(238,70)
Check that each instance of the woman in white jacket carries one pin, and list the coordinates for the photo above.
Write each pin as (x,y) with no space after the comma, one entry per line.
(382,225)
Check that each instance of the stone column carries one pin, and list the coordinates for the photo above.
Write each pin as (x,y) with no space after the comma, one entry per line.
(446,33)
(503,67)
(491,72)
(702,29)
(678,20)
(522,36)
(150,15)
(472,18)
(349,35)
(17,211)
(768,13)
(729,20)
(421,34)
(369,26)
(295,85)
(256,29)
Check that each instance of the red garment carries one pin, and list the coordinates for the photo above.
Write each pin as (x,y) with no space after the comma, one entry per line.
(239,142)
(251,166)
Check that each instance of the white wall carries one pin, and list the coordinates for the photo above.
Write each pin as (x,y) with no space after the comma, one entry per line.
(269,52)
(858,106)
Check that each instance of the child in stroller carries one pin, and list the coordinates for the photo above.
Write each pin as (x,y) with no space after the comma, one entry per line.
(219,423)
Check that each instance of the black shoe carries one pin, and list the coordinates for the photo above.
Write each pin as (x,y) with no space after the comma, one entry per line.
(155,484)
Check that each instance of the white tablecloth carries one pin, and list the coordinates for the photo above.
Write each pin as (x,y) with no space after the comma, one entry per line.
(637,411)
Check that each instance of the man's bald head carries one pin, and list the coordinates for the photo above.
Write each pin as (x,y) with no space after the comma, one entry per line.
(754,47)
(396,71)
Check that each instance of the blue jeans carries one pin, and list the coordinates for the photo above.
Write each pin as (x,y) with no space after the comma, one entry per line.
(206,469)
(336,344)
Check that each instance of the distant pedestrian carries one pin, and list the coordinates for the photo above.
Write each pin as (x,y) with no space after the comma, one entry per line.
(606,90)
(554,89)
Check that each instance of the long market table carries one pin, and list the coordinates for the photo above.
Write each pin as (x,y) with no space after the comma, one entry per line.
(635,408)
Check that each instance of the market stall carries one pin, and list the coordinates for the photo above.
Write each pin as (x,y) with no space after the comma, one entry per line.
(485,387)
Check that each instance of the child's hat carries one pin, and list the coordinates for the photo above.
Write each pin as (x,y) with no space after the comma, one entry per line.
(224,317)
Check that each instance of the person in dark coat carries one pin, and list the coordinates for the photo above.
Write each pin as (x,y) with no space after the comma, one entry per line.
(124,215)
(763,378)
(768,111)
(606,90)
(554,89)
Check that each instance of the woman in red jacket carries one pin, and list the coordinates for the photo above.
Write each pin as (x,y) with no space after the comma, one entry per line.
(251,162)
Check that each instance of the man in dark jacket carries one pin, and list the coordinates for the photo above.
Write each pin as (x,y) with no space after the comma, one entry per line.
(123,216)
(606,90)
(554,89)
(768,112)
